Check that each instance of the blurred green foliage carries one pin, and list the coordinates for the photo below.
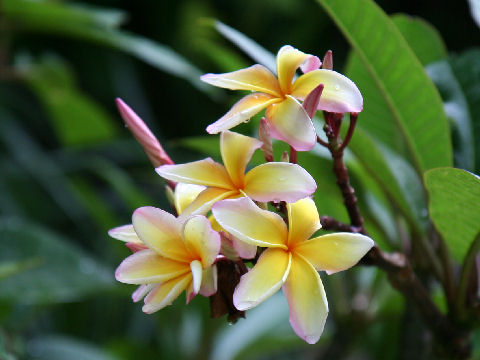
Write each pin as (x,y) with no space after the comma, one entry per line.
(70,171)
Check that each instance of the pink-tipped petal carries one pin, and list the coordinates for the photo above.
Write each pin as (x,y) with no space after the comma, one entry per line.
(144,136)
(244,250)
(303,220)
(134,247)
(204,202)
(125,233)
(288,121)
(242,111)
(160,231)
(141,291)
(165,293)
(254,78)
(235,249)
(146,266)
(185,194)
(246,221)
(209,281)
(289,60)
(264,280)
(237,150)
(203,172)
(340,94)
(335,252)
(310,64)
(190,293)
(306,299)
(277,181)
(201,241)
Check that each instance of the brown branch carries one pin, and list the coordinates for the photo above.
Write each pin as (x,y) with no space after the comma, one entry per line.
(329,223)
(400,274)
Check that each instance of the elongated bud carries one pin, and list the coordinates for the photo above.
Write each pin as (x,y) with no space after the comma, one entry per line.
(328,60)
(264,137)
(144,136)
(310,104)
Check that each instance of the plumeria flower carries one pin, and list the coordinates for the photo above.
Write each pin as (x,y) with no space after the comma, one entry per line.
(290,260)
(183,196)
(272,181)
(178,256)
(287,119)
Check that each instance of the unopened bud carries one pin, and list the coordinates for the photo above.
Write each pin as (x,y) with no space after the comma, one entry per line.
(144,136)
(328,60)
(264,137)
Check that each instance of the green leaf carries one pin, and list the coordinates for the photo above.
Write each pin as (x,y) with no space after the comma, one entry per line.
(55,347)
(410,95)
(466,68)
(76,119)
(475,11)
(454,207)
(395,176)
(250,47)
(456,107)
(62,271)
(376,117)
(40,166)
(422,37)
(97,25)
(10,268)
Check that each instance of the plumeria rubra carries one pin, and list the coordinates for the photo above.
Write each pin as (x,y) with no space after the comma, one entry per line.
(287,119)
(291,260)
(178,256)
(266,182)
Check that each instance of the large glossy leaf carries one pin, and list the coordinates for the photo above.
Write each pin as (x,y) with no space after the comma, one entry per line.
(97,25)
(422,37)
(454,198)
(58,270)
(410,95)
(377,118)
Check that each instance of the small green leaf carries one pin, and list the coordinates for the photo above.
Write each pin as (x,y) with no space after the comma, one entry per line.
(62,272)
(410,95)
(454,207)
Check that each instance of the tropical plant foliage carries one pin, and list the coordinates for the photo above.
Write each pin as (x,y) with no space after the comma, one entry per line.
(70,172)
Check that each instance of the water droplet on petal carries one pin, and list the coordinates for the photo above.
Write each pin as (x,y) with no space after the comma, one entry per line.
(336,87)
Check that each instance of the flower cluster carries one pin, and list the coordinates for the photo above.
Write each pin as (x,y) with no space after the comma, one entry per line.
(223,209)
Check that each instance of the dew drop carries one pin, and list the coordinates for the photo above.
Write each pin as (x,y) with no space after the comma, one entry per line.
(336,87)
